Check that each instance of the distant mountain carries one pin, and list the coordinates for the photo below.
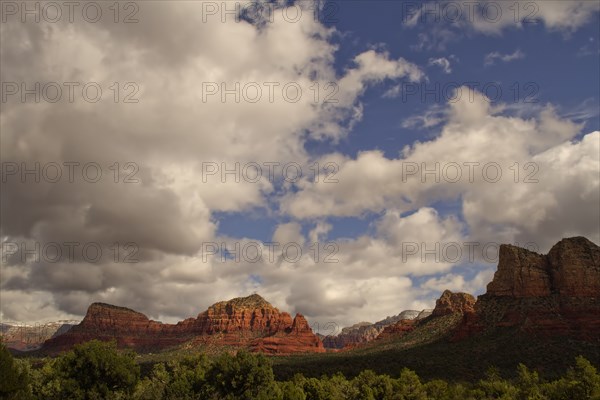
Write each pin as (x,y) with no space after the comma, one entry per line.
(246,322)
(26,337)
(364,332)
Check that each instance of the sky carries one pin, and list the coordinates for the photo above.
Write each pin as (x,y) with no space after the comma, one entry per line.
(347,160)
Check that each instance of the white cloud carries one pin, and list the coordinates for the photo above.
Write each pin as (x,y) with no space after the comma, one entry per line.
(446,21)
(433,116)
(441,62)
(490,58)
(566,16)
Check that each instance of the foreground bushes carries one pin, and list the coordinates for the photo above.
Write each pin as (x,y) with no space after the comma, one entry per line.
(96,370)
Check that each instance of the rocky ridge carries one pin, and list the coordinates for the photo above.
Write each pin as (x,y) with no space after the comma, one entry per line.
(364,332)
(26,337)
(249,322)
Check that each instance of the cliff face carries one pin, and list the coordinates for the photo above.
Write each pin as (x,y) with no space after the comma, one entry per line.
(249,322)
(127,327)
(298,338)
(553,294)
(521,273)
(571,269)
(575,268)
(251,315)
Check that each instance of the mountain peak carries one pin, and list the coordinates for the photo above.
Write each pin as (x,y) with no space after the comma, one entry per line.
(254,301)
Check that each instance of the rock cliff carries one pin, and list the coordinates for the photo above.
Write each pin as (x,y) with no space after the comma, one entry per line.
(553,294)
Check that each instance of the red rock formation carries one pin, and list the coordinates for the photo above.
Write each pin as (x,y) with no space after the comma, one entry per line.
(575,268)
(127,327)
(521,273)
(249,322)
(298,338)
(398,329)
(556,294)
(450,303)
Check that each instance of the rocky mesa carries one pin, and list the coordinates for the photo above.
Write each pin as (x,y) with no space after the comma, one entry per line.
(247,322)
(556,294)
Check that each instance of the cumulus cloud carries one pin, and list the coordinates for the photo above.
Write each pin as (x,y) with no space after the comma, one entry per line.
(485,160)
(214,95)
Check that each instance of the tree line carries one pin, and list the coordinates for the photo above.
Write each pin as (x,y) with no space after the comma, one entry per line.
(99,371)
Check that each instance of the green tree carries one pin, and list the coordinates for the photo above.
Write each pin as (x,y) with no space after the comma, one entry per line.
(409,386)
(580,382)
(341,388)
(14,382)
(587,376)
(92,370)
(243,376)
(153,387)
(189,378)
(373,386)
(289,391)
(316,389)
(495,387)
(528,383)
(438,389)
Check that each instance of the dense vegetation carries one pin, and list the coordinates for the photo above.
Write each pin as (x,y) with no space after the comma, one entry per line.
(97,370)
(432,358)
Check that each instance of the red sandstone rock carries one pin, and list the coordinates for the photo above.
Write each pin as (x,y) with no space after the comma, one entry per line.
(575,267)
(556,294)
(249,322)
(521,273)
(398,329)
(450,303)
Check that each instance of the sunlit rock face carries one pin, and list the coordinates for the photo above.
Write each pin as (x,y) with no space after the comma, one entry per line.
(248,322)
